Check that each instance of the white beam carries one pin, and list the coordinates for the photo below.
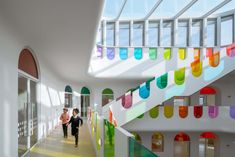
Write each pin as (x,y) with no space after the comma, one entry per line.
(152,10)
(215,8)
(185,9)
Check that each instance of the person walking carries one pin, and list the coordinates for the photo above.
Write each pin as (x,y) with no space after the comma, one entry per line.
(76,122)
(65,119)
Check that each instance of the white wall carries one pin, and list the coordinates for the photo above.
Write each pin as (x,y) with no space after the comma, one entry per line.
(10,47)
(225,143)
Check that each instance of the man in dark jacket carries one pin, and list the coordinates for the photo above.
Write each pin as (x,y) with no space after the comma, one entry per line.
(76,122)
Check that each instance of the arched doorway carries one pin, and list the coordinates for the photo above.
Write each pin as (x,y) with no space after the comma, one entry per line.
(28,78)
(68,97)
(85,101)
(107,96)
(157,142)
(208,96)
(207,144)
(182,145)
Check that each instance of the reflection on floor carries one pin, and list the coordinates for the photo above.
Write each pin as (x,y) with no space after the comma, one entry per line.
(56,146)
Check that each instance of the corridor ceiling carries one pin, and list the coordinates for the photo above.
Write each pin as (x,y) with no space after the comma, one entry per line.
(60,32)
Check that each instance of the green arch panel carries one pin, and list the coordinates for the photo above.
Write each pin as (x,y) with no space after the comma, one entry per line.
(179,76)
(167,53)
(68,89)
(154,112)
(107,91)
(141,116)
(162,81)
(85,90)
(153,53)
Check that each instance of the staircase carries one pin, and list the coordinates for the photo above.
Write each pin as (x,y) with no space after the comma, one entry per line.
(181,73)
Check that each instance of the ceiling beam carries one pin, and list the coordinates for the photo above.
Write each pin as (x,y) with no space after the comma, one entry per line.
(185,9)
(120,11)
(215,9)
(152,10)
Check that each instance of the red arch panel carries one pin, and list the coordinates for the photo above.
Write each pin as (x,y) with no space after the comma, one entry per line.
(27,63)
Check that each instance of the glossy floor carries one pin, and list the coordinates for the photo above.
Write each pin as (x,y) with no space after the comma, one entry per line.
(56,146)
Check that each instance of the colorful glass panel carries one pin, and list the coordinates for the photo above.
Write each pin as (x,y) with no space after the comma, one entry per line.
(179,76)
(198,111)
(123,53)
(162,81)
(110,53)
(182,53)
(154,112)
(167,53)
(213,111)
(168,111)
(183,111)
(138,53)
(153,53)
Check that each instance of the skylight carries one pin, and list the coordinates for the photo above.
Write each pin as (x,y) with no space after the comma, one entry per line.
(157,9)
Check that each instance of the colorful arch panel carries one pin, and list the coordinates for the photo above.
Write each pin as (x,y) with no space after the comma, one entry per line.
(196,68)
(182,53)
(154,112)
(168,111)
(198,111)
(214,58)
(207,91)
(230,50)
(162,81)
(232,112)
(99,51)
(179,76)
(181,137)
(123,53)
(213,111)
(85,90)
(107,91)
(27,63)
(141,116)
(153,53)
(208,135)
(138,53)
(68,89)
(167,53)
(110,53)
(183,111)
(128,100)
(144,90)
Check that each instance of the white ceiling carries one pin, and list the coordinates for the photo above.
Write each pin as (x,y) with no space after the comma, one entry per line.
(61,32)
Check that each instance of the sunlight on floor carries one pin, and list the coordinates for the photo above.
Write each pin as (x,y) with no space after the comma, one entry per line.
(56,146)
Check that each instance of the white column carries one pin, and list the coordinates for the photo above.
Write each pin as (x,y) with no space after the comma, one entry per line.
(104,33)
(175,33)
(234,28)
(131,33)
(204,32)
(190,32)
(160,32)
(146,34)
(116,33)
(218,31)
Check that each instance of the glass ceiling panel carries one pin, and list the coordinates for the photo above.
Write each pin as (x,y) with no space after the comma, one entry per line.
(112,8)
(227,7)
(201,7)
(169,8)
(137,9)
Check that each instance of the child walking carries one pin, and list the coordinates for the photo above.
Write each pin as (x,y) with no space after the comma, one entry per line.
(75,121)
(65,119)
